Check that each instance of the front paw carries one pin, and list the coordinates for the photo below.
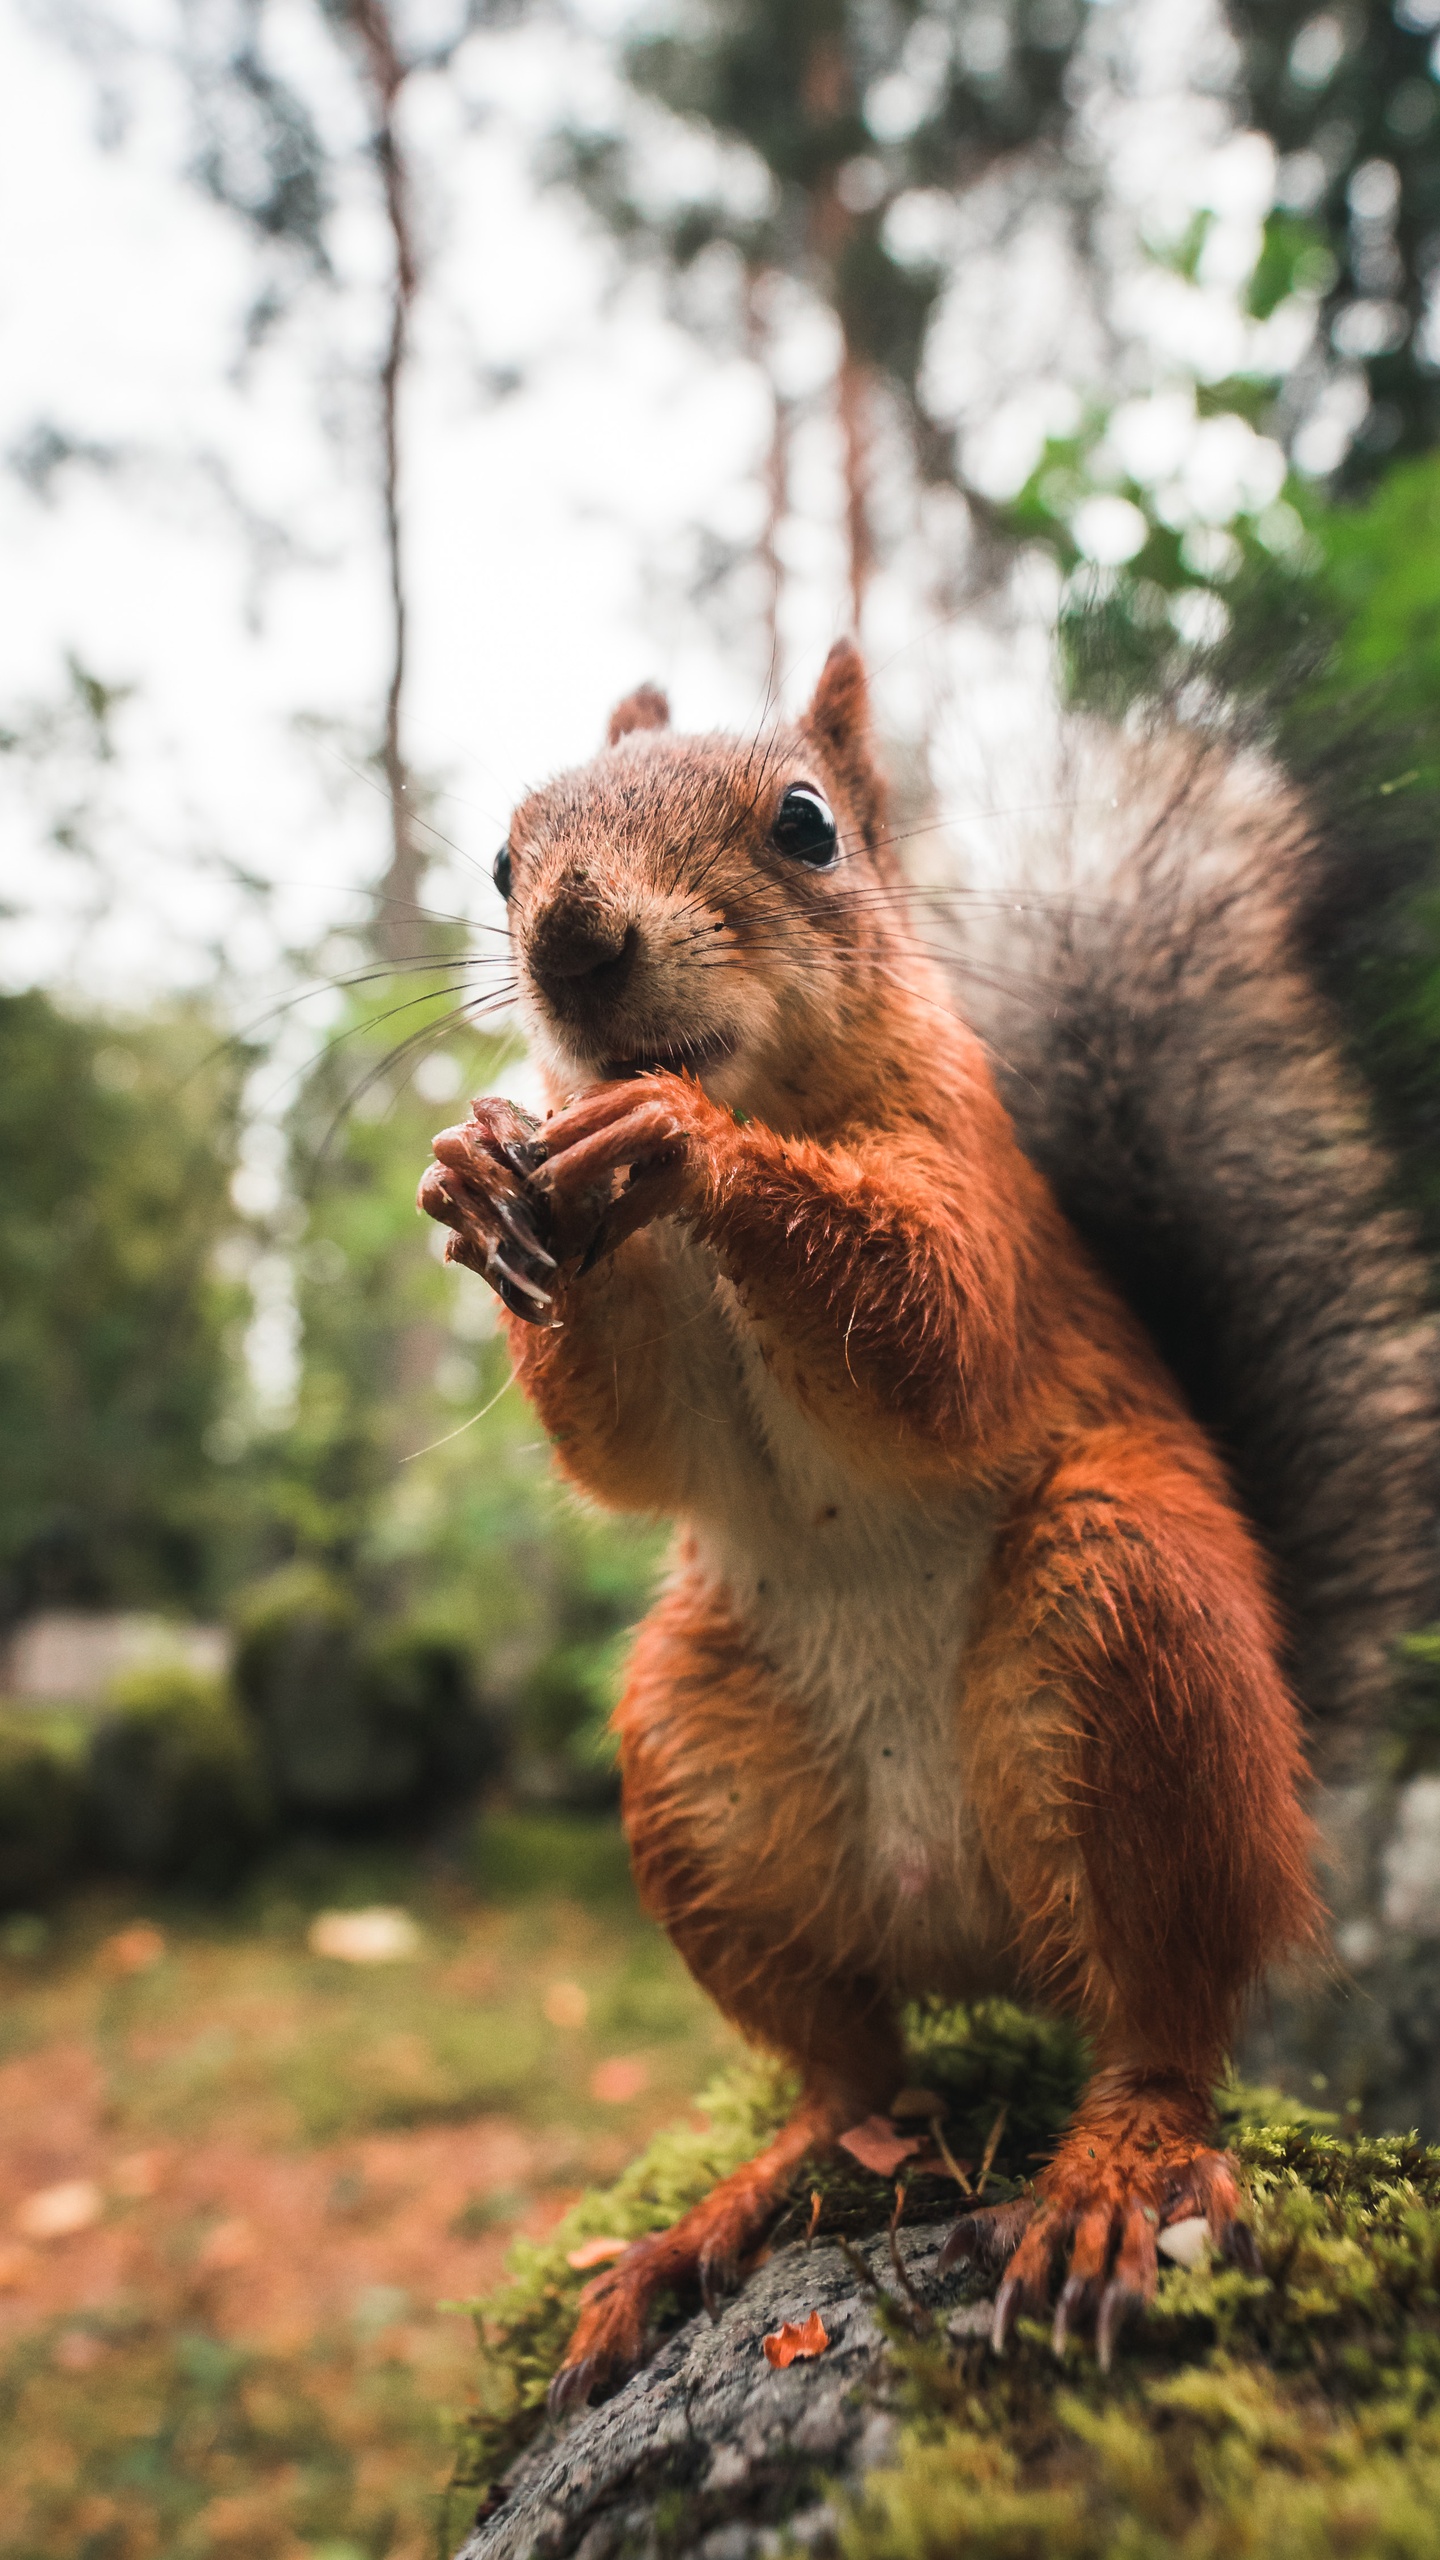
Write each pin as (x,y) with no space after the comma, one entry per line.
(660,1131)
(482,1187)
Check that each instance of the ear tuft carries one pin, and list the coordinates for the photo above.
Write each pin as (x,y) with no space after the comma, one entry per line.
(839,722)
(839,714)
(645,708)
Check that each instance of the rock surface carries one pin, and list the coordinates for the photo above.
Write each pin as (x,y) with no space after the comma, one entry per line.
(709,2448)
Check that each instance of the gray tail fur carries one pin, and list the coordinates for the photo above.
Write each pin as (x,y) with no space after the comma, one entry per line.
(1142,963)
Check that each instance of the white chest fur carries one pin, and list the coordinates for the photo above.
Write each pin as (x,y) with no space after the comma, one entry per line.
(861,1597)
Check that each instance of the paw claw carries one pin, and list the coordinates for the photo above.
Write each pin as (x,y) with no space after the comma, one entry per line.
(1008,2303)
(1118,2303)
(719,2276)
(962,2245)
(988,2238)
(1240,2248)
(1076,2297)
(516,1216)
(518,1280)
(572,2386)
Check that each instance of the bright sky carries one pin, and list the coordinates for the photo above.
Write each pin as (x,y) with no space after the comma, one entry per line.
(549,530)
(540,526)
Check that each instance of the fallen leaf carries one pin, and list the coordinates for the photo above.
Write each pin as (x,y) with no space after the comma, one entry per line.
(377,1936)
(94,2515)
(796,2338)
(596,2253)
(877,2146)
(616,2082)
(132,1950)
(227,2246)
(565,2004)
(917,2102)
(53,2213)
(138,2175)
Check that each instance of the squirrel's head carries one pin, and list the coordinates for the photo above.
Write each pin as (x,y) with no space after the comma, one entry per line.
(708,904)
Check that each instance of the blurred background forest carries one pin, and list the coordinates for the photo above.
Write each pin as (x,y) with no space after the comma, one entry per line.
(390,385)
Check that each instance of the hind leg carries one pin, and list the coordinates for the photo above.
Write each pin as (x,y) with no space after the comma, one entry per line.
(1136,2159)
(852,2063)
(1134,1758)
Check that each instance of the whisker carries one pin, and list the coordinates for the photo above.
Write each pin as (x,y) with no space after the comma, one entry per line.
(411,1047)
(417,817)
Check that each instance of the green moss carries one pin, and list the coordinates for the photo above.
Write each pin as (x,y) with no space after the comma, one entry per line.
(981,2060)
(1293,2414)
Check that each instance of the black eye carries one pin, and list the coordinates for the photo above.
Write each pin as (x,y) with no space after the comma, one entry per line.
(501,874)
(805,829)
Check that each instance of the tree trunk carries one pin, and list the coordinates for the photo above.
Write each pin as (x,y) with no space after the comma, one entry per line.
(709,2449)
(400,930)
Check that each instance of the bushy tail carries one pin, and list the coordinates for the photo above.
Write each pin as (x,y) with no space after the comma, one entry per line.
(1142,960)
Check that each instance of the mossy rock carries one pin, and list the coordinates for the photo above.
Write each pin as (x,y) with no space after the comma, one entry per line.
(42,1807)
(177,1793)
(356,1725)
(1294,2412)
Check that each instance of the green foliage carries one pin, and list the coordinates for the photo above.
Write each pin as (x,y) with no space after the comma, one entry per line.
(118,1143)
(354,1721)
(1380,564)
(328,2442)
(1293,259)
(845,109)
(43,1807)
(176,1788)
(519,1854)
(413,1472)
(1346,92)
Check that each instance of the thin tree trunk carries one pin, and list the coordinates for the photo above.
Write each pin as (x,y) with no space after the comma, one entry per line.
(854,391)
(776,482)
(400,928)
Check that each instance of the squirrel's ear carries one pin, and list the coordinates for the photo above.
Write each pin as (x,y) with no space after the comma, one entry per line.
(645,708)
(839,722)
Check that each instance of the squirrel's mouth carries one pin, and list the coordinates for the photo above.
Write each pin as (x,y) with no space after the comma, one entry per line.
(679,1057)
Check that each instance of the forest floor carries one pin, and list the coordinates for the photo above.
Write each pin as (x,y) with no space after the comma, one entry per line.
(240,2181)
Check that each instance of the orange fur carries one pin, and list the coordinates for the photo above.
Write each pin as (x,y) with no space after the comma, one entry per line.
(822,1258)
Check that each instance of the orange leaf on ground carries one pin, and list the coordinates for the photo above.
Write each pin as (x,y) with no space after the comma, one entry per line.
(796,2338)
(596,2253)
(616,2082)
(565,2004)
(876,2146)
(230,2244)
(132,1950)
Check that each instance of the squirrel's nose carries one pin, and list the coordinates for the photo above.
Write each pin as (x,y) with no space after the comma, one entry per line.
(573,943)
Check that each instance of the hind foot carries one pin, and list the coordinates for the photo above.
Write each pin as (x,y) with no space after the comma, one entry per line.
(1129,2167)
(705,2250)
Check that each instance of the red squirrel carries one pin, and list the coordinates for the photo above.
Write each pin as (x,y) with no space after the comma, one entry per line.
(967,1673)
